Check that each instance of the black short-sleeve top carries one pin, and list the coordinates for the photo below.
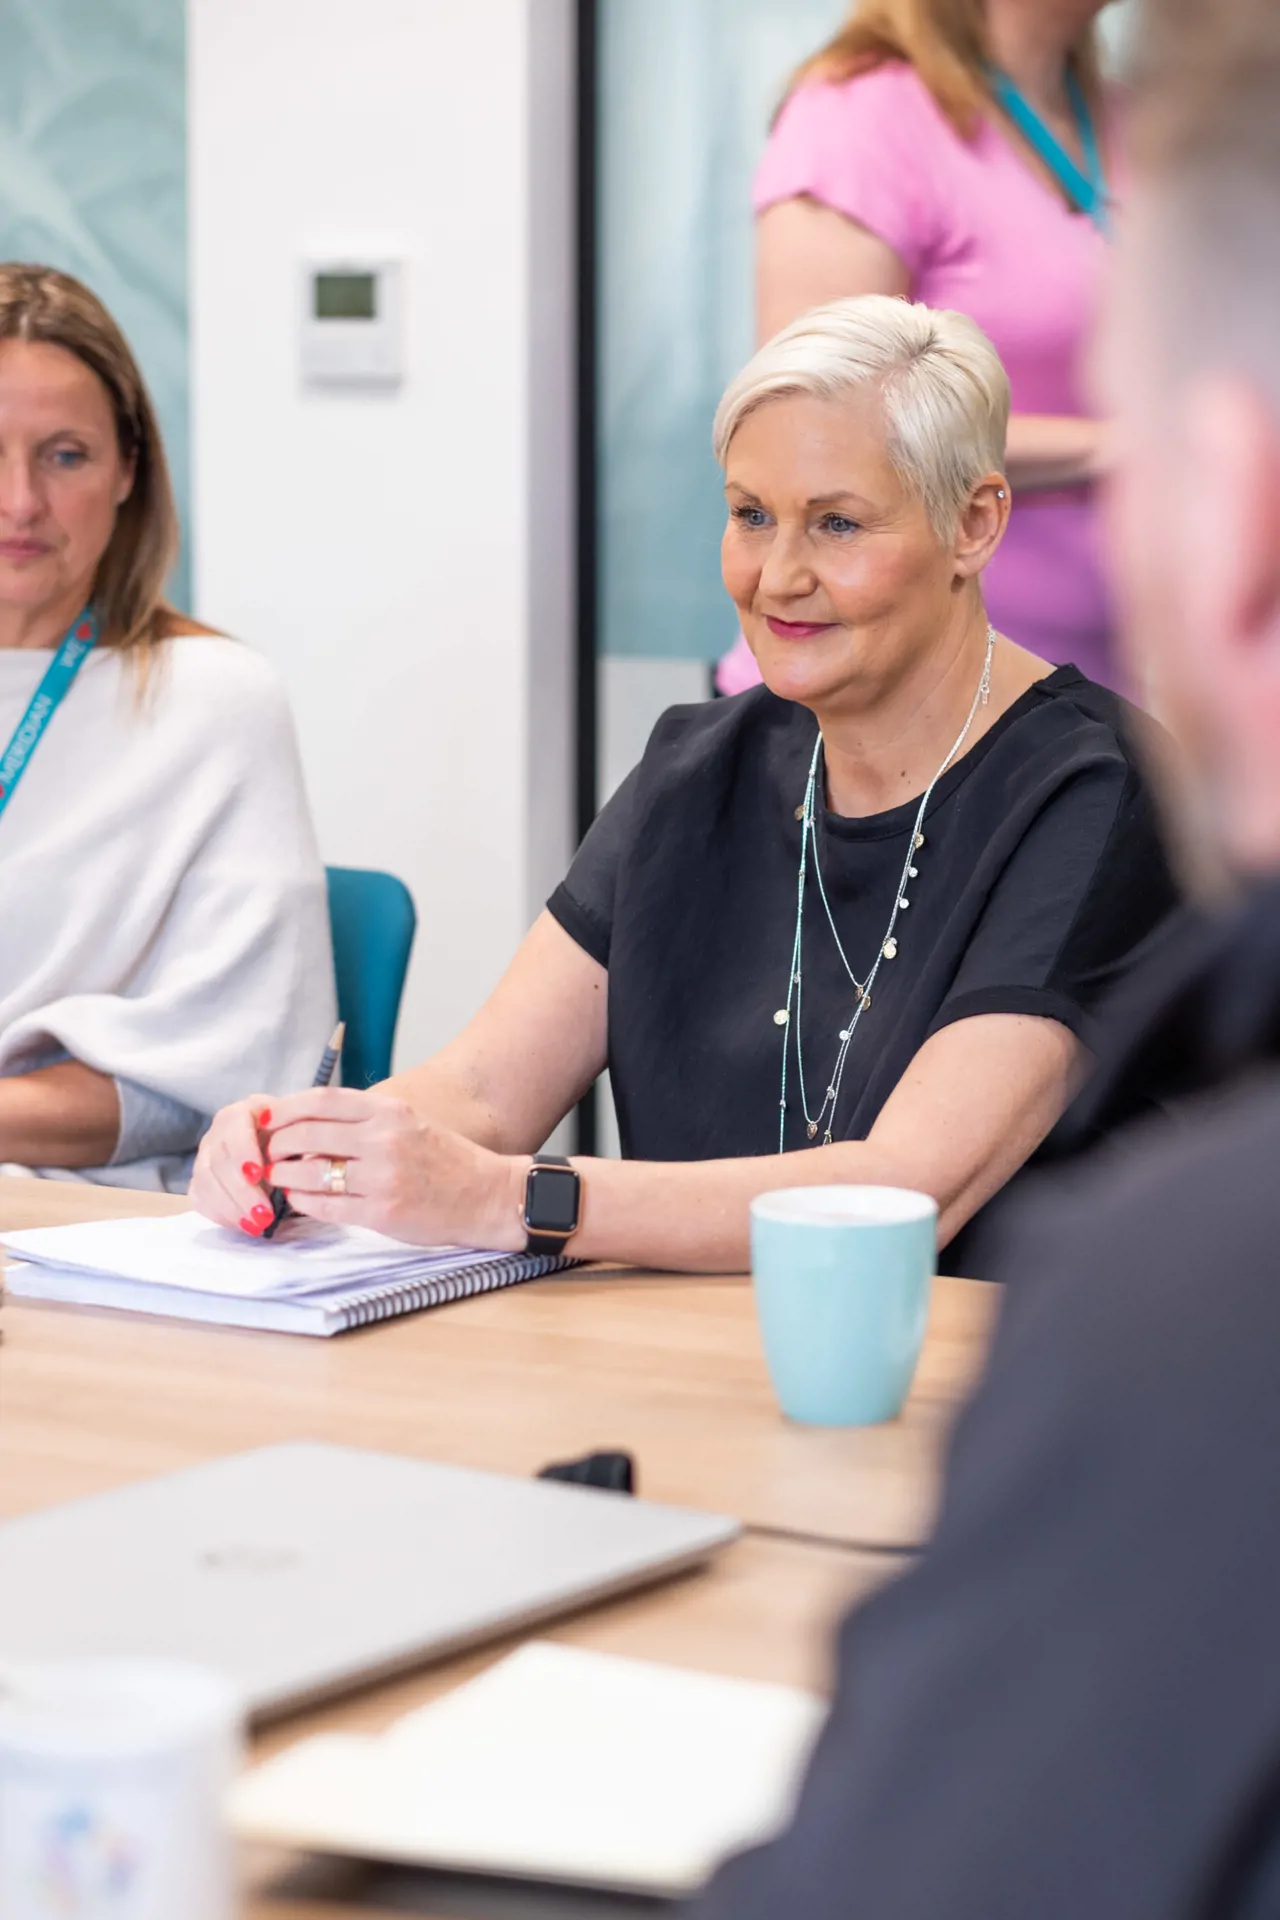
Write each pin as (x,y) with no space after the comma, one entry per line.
(1042,870)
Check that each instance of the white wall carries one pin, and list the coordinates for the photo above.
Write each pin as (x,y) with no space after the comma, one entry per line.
(635,690)
(405,558)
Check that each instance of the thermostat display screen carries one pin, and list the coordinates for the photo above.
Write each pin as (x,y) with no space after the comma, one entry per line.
(345,296)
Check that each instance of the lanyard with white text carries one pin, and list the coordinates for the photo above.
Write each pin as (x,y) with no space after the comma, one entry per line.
(1088,188)
(45,701)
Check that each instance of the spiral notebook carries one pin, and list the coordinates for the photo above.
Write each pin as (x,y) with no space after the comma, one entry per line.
(312,1278)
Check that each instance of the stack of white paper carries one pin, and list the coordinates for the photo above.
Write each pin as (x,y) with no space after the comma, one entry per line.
(310,1278)
(555,1764)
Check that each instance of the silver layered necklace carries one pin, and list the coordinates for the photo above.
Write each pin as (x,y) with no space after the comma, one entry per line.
(790,1016)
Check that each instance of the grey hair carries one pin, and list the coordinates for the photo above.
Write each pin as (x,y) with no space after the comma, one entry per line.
(943,387)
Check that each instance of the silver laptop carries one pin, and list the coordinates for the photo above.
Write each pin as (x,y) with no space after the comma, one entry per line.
(303,1569)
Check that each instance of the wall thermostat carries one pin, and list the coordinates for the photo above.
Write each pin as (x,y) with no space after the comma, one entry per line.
(352,323)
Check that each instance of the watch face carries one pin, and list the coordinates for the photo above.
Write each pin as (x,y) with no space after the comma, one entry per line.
(551,1200)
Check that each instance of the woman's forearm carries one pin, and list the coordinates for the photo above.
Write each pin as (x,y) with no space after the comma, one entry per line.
(694,1216)
(437,1092)
(62,1116)
(975,1103)
(527,1057)
(1054,450)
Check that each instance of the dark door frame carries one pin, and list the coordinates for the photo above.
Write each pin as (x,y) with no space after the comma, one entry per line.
(586,714)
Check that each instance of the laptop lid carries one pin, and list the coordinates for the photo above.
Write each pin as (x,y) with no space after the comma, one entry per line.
(303,1569)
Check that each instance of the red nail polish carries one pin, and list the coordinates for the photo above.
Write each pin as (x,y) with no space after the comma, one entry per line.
(248,1226)
(261,1213)
(264,1118)
(252,1172)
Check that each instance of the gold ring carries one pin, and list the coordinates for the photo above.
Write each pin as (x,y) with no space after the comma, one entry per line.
(335,1177)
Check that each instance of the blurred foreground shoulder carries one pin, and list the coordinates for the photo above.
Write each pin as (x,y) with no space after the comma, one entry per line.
(1103,1576)
(1156,1232)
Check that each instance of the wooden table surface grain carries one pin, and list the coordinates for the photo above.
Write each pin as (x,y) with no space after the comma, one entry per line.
(668,1367)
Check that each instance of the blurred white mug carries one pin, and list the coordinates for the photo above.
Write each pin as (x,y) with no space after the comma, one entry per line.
(113,1780)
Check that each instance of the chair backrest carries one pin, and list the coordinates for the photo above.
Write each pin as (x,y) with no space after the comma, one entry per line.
(373,920)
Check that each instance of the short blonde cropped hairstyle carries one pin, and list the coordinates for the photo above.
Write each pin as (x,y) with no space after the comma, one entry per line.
(942,384)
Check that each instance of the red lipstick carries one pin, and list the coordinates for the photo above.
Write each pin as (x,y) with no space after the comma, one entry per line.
(798,629)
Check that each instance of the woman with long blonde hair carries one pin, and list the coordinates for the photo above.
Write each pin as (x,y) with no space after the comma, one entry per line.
(165,938)
(958,152)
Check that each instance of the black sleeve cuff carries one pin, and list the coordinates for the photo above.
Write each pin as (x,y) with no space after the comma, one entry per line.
(1040,1002)
(582,927)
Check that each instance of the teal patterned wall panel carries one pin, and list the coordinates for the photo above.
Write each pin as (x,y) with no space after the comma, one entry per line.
(93,173)
(686,92)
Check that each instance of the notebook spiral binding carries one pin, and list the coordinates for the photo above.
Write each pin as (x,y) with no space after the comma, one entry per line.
(395,1297)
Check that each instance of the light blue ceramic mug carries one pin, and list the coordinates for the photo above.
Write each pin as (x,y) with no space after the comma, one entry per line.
(842,1279)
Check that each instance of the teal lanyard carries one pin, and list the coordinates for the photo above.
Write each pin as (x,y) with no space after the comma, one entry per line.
(45,701)
(1088,189)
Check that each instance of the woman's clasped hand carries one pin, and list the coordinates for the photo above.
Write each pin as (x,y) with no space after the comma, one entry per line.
(401,1173)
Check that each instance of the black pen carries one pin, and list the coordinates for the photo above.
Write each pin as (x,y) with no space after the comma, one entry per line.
(324,1074)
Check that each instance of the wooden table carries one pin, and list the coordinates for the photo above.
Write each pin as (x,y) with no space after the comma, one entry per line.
(668,1367)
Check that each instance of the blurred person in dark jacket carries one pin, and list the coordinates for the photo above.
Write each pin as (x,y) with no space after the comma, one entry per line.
(1071,1705)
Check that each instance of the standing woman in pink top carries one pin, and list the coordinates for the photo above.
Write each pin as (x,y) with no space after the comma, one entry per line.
(956,152)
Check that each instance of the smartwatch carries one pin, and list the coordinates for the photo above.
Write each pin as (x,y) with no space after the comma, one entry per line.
(552,1204)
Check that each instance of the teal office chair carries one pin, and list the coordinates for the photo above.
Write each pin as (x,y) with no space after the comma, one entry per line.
(373,921)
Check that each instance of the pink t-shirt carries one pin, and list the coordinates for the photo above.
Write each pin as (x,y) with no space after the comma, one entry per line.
(978,230)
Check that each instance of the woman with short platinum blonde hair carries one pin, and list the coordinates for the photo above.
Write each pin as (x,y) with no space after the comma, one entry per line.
(846,927)
(944,392)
